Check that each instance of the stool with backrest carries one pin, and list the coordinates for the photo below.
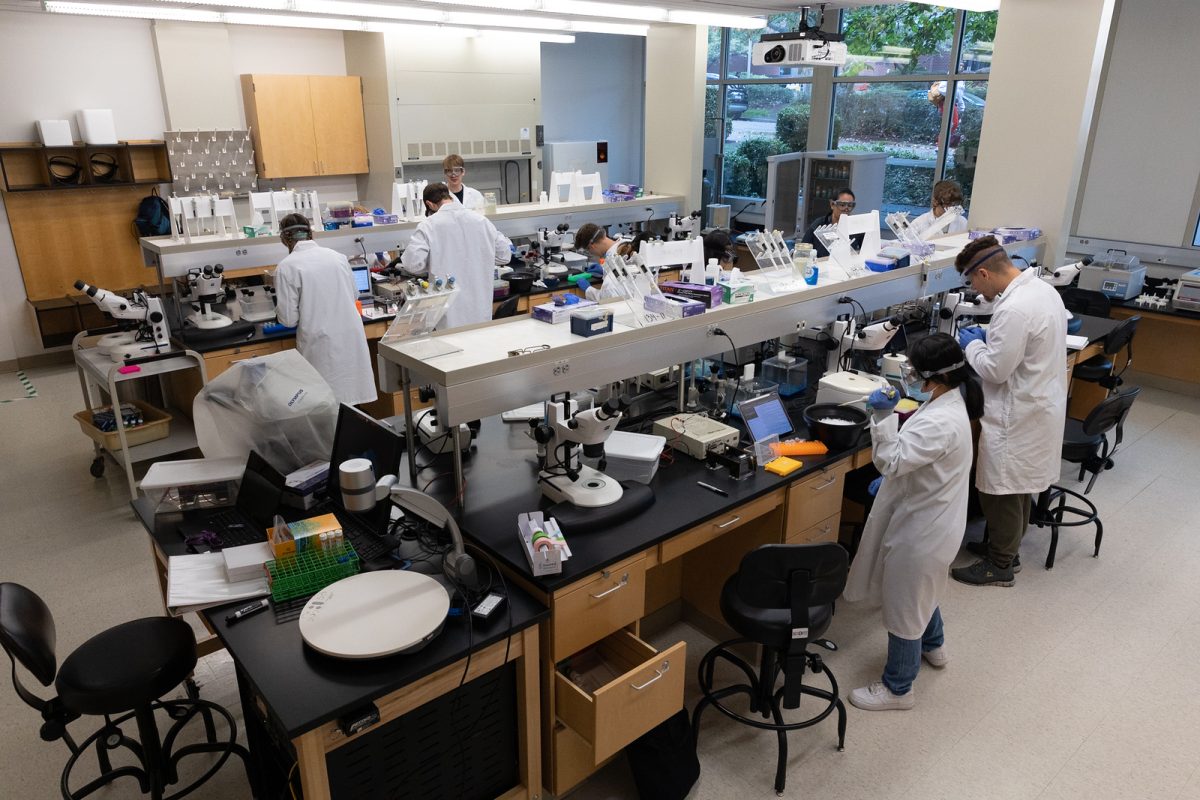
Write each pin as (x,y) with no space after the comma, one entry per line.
(1099,369)
(781,599)
(1086,444)
(119,675)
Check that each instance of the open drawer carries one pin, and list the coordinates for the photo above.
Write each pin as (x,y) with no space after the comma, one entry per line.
(646,690)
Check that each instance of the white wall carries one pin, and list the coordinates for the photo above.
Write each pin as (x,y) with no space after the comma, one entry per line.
(1041,95)
(593,90)
(52,66)
(1145,136)
(674,109)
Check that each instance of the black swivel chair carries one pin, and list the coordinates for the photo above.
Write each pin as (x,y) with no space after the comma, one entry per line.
(120,675)
(1086,444)
(1086,301)
(508,308)
(781,598)
(1099,368)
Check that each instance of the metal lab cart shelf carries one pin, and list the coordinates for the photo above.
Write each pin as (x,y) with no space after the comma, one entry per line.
(98,371)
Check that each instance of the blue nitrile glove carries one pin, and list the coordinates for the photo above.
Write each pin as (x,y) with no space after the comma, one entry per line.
(873,486)
(971,334)
(884,399)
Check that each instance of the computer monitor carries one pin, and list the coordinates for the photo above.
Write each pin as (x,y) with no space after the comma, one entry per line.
(362,279)
(359,436)
(765,416)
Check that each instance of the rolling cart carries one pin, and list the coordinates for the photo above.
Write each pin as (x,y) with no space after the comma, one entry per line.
(98,372)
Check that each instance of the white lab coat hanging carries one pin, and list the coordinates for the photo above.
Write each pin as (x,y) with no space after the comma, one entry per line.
(314,290)
(916,523)
(458,242)
(1023,366)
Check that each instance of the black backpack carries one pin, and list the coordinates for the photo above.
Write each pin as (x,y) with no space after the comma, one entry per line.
(153,216)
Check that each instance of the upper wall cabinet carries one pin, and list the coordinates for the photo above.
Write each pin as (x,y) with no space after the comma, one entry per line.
(306,124)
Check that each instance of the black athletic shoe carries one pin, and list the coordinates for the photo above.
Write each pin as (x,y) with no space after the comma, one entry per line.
(983,573)
(981,549)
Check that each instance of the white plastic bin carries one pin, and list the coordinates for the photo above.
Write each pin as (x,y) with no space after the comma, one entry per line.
(96,125)
(631,456)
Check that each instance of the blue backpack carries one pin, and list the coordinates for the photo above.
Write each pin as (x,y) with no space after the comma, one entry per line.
(153,216)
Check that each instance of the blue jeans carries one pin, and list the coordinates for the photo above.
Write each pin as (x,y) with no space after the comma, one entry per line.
(904,655)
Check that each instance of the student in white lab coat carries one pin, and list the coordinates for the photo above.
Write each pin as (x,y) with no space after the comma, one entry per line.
(314,292)
(946,194)
(593,240)
(456,242)
(455,169)
(1022,361)
(916,523)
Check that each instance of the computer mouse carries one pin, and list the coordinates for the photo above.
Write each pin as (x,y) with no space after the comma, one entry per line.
(376,564)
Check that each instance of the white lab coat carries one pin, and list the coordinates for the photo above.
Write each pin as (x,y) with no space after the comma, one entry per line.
(926,220)
(458,242)
(917,521)
(314,290)
(1023,365)
(472,199)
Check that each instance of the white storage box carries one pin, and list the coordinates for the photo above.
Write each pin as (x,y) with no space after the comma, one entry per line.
(631,456)
(96,125)
(55,132)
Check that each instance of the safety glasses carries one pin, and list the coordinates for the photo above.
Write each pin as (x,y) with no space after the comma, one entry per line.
(454,172)
(846,205)
(911,375)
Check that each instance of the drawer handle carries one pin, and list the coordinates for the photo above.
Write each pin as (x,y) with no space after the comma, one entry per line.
(607,592)
(658,673)
(731,522)
(832,480)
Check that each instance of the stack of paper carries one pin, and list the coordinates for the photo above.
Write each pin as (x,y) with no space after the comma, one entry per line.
(246,562)
(198,581)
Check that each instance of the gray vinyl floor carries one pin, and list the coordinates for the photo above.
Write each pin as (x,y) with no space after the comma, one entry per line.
(1076,683)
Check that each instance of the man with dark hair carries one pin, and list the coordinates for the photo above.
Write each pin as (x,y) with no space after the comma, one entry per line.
(1022,360)
(843,203)
(315,294)
(454,241)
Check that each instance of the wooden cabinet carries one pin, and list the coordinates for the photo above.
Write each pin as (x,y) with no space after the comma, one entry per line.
(814,499)
(306,124)
(648,690)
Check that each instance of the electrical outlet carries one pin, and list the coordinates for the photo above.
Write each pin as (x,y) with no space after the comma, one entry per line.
(711,330)
(561,368)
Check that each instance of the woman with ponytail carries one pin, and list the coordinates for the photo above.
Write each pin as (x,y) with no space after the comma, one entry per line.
(920,511)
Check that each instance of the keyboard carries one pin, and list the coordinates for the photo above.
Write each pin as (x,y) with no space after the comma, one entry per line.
(230,528)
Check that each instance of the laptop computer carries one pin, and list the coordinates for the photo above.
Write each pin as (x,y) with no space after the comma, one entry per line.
(247,521)
(360,436)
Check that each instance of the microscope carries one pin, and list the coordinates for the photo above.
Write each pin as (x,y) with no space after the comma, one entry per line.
(147,311)
(566,430)
(204,286)
(681,228)
(959,304)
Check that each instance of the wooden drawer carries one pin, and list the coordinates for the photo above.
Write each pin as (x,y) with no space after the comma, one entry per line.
(824,531)
(606,602)
(648,689)
(218,362)
(676,546)
(815,498)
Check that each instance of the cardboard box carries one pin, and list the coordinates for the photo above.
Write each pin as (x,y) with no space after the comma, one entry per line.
(701,292)
(736,293)
(299,536)
(554,314)
(673,305)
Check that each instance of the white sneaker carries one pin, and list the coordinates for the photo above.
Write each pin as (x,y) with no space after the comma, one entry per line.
(878,697)
(936,657)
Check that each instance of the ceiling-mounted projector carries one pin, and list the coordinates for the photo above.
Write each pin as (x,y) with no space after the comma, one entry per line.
(807,46)
(794,52)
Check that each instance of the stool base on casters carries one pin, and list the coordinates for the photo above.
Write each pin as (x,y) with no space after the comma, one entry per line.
(158,758)
(765,699)
(1051,510)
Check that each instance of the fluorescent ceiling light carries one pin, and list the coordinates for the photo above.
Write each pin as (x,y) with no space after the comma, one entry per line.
(583,26)
(715,20)
(587,8)
(290,21)
(553,38)
(133,12)
(263,5)
(966,5)
(370,10)
(505,20)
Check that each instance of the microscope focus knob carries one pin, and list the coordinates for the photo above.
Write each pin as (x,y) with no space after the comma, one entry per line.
(946,313)
(156,317)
